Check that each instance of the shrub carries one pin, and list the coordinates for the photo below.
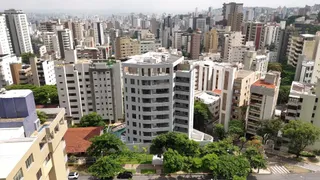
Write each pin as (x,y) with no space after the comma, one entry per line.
(307,154)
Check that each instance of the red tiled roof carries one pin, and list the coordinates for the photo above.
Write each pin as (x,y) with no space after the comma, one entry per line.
(78,139)
(263,83)
(217,91)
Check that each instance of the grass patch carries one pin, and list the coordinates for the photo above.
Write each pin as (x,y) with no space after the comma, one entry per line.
(137,158)
(296,169)
(132,170)
(148,171)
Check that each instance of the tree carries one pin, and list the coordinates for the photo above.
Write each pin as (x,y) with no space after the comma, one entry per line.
(283,96)
(105,167)
(172,161)
(104,144)
(219,148)
(255,158)
(202,115)
(42,116)
(192,164)
(301,135)
(269,129)
(275,67)
(92,120)
(176,141)
(236,128)
(210,162)
(231,166)
(219,132)
(26,56)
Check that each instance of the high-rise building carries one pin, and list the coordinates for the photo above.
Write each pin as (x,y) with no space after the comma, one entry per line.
(177,40)
(150,45)
(249,15)
(304,70)
(285,35)
(229,40)
(98,33)
(256,62)
(303,44)
(86,86)
(233,13)
(159,96)
(65,41)
(51,41)
(42,72)
(211,41)
(195,45)
(5,72)
(30,149)
(263,100)
(253,31)
(5,44)
(25,75)
(49,26)
(78,30)
(18,26)
(126,47)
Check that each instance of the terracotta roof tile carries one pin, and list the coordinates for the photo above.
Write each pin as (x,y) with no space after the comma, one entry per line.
(264,84)
(78,139)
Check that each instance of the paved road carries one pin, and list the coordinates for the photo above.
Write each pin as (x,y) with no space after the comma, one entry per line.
(306,176)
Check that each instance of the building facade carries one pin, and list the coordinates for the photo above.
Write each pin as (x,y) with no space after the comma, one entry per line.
(211,41)
(126,47)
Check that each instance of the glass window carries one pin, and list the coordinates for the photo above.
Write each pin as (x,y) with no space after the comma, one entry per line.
(39,174)
(19,175)
(29,161)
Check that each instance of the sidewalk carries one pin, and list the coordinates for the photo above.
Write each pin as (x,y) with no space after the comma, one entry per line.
(138,167)
(261,171)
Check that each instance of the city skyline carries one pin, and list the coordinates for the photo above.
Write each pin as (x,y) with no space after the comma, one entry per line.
(138,6)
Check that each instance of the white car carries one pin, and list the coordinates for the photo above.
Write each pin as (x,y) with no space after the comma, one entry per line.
(73,175)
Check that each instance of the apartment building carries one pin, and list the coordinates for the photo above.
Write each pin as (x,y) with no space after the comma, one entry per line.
(263,100)
(25,75)
(211,41)
(236,54)
(126,47)
(30,150)
(256,62)
(88,53)
(98,33)
(5,71)
(304,70)
(195,45)
(5,44)
(159,96)
(254,31)
(18,26)
(177,40)
(304,44)
(49,26)
(233,13)
(86,86)
(241,93)
(147,46)
(218,78)
(229,40)
(51,41)
(42,72)
(65,41)
(14,69)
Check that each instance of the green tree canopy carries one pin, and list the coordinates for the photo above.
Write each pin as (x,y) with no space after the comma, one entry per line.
(236,128)
(105,167)
(202,115)
(44,95)
(270,129)
(210,162)
(92,120)
(172,161)
(219,148)
(284,92)
(275,67)
(105,144)
(25,57)
(42,116)
(192,164)
(255,158)
(176,141)
(231,166)
(219,132)
(301,135)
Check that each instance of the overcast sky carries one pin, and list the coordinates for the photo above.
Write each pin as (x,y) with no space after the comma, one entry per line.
(140,5)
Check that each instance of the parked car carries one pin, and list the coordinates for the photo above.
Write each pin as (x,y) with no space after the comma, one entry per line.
(125,175)
(73,175)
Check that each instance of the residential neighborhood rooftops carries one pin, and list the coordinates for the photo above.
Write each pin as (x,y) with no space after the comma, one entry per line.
(78,139)
(262,83)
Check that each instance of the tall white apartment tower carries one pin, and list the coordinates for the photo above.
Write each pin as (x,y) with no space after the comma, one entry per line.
(86,86)
(4,41)
(98,33)
(158,95)
(65,41)
(19,31)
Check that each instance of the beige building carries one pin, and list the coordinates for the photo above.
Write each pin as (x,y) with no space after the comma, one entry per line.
(304,44)
(15,68)
(211,41)
(126,47)
(241,93)
(25,75)
(263,100)
(39,156)
(195,45)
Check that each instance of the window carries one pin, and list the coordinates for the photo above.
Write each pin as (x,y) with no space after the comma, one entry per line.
(316,100)
(133,90)
(133,107)
(132,81)
(134,132)
(39,174)
(134,124)
(133,99)
(29,161)
(48,158)
(19,175)
(134,116)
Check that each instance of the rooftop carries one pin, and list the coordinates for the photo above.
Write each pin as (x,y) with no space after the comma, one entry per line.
(307,35)
(206,98)
(264,84)
(15,93)
(10,133)
(78,139)
(244,73)
(153,58)
(301,88)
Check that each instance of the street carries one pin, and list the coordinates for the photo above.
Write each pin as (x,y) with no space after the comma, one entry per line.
(306,176)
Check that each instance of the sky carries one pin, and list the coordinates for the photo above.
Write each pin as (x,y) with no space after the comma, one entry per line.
(126,6)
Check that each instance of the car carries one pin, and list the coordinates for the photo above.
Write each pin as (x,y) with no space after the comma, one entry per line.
(73,175)
(125,175)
